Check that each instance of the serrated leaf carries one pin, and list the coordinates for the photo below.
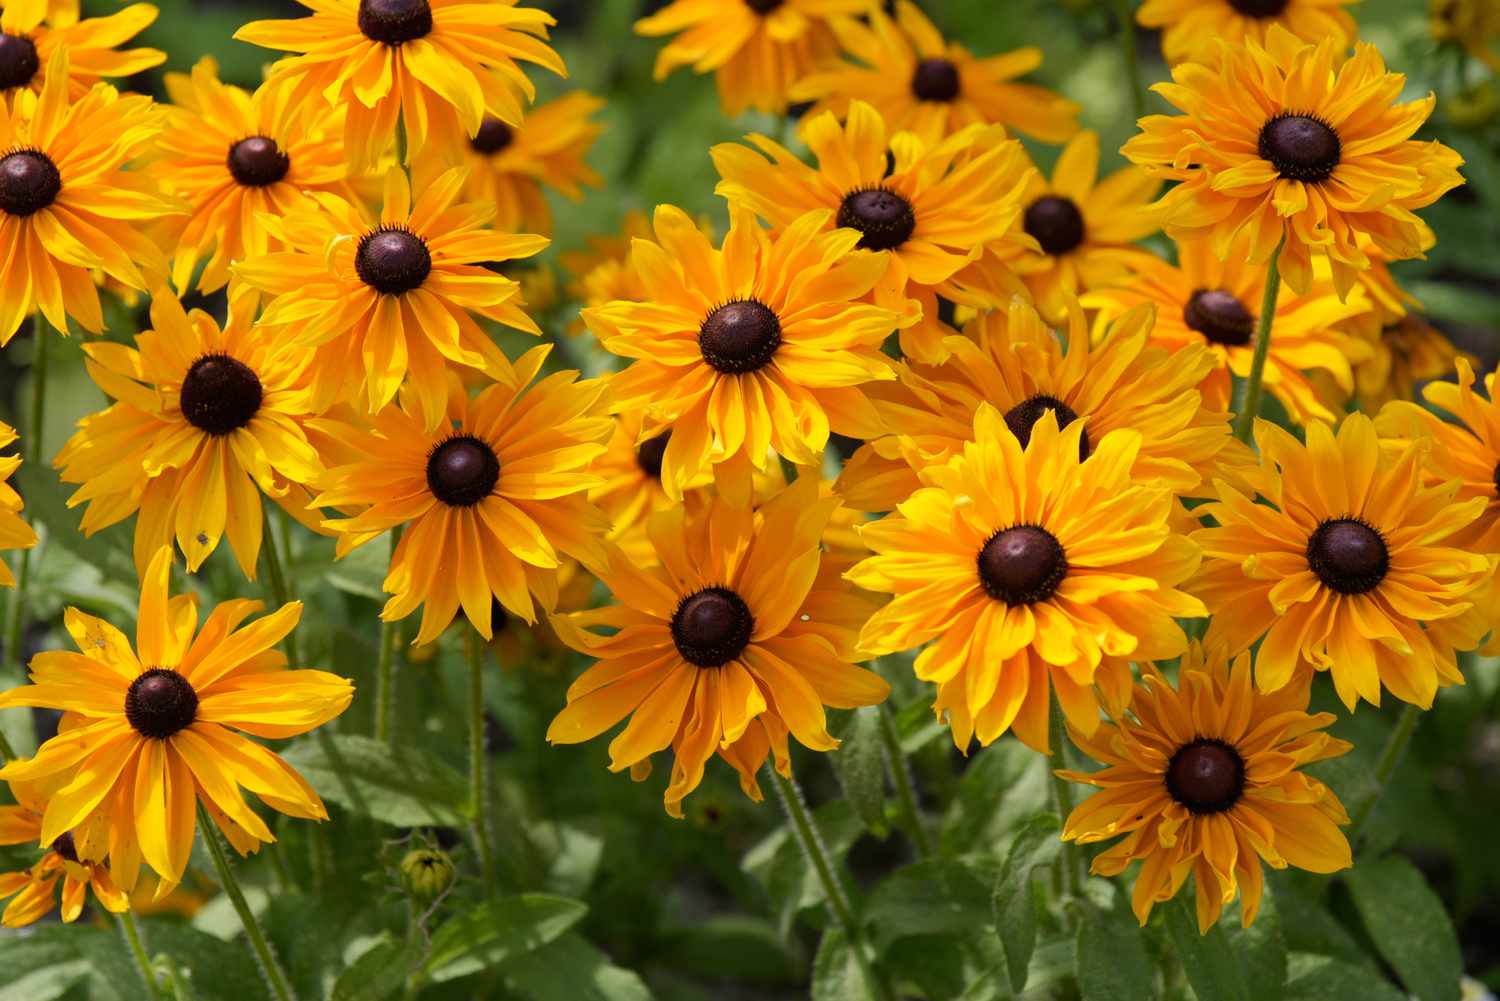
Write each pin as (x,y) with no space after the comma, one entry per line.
(380,972)
(497,931)
(1014,907)
(405,788)
(1112,962)
(859,764)
(1210,964)
(1409,925)
(571,969)
(928,898)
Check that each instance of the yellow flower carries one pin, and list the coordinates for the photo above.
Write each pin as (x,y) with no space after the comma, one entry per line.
(1013,362)
(30,36)
(631,488)
(1081,232)
(75,858)
(1191,29)
(1203,300)
(437,64)
(1402,350)
(1351,568)
(602,272)
(489,500)
(156,727)
(725,645)
(1207,779)
(509,165)
(1291,141)
(386,301)
(756,49)
(1034,572)
(756,348)
(1473,24)
(66,207)
(235,157)
(14,532)
(920,83)
(204,421)
(929,210)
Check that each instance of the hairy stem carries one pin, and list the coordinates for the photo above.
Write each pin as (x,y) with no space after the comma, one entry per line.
(1126,17)
(133,939)
(478,760)
(1247,398)
(270,967)
(31,455)
(385,682)
(906,797)
(1069,868)
(1390,756)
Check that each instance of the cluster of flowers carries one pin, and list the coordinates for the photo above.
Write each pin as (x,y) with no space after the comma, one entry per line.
(1053,452)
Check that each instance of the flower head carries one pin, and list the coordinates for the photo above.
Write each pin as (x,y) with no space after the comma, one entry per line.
(1205,778)
(733,640)
(1192,28)
(74,859)
(30,35)
(14,532)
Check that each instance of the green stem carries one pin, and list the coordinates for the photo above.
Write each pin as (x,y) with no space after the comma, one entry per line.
(478,760)
(281,592)
(270,968)
(1247,399)
(31,455)
(133,937)
(385,682)
(906,797)
(1390,756)
(806,831)
(1132,61)
(1070,876)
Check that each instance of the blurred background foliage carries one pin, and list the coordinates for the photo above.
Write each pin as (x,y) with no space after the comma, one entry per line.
(611,899)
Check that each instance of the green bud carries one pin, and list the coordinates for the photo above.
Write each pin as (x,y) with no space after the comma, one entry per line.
(426,873)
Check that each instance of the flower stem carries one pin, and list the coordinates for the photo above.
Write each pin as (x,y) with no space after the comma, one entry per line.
(906,796)
(1132,61)
(31,455)
(281,592)
(805,829)
(133,938)
(1070,878)
(1390,756)
(1247,399)
(385,682)
(270,967)
(478,761)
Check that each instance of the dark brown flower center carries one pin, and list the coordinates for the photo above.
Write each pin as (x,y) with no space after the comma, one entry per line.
(1348,555)
(1206,776)
(256,162)
(1300,147)
(65,846)
(1055,223)
(1259,8)
(935,80)
(29,182)
(492,137)
(462,471)
(1022,417)
(650,453)
(1219,317)
(883,218)
(394,21)
(392,261)
(160,702)
(1497,480)
(712,627)
(18,61)
(219,394)
(739,337)
(1022,565)
(763,6)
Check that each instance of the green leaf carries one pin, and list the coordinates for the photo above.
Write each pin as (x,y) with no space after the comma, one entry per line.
(928,898)
(742,948)
(218,970)
(1409,925)
(1210,963)
(406,788)
(1260,949)
(42,966)
(859,763)
(1112,963)
(379,973)
(571,969)
(497,931)
(836,973)
(1323,978)
(1035,846)
(780,866)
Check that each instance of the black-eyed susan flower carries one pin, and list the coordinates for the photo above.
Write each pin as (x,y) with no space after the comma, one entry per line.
(492,501)
(929,210)
(631,490)
(234,157)
(386,300)
(1352,568)
(70,859)
(1012,361)
(434,65)
(1402,350)
(1473,25)
(1191,29)
(29,35)
(204,421)
(510,165)
(1203,300)
(756,49)
(1081,231)
(602,271)
(923,84)
(724,645)
(755,348)
(66,206)
(1292,142)
(164,726)
(1206,779)
(14,532)
(1029,571)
